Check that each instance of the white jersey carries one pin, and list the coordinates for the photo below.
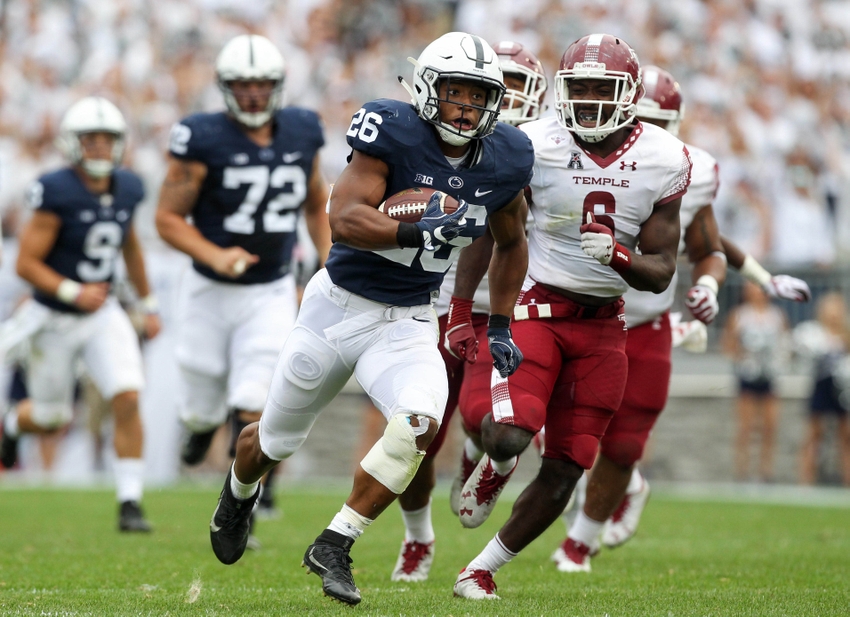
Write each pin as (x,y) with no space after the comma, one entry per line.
(480,301)
(645,306)
(651,167)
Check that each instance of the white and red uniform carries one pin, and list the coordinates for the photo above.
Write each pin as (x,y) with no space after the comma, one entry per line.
(650,343)
(574,369)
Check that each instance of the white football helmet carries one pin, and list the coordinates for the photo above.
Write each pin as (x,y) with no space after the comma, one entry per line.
(92,114)
(457,56)
(250,57)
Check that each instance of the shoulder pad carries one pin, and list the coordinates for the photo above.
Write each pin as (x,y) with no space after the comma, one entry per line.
(381,128)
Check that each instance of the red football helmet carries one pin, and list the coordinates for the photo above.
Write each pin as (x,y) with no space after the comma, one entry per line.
(662,99)
(599,56)
(525,105)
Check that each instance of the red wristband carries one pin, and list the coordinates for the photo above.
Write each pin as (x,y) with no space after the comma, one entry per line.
(621,260)
(460,311)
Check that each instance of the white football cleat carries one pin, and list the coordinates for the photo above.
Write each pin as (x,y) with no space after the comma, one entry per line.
(475,585)
(624,522)
(574,556)
(480,493)
(467,466)
(414,562)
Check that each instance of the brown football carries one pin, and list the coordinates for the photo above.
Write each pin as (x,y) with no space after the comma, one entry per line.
(407,206)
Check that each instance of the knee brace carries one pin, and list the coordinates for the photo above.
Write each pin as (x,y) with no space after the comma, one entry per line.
(394,460)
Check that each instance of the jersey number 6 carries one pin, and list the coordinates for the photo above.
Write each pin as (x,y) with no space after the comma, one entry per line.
(600,204)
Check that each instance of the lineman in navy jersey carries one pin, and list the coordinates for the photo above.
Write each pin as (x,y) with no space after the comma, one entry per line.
(369,313)
(244,176)
(68,250)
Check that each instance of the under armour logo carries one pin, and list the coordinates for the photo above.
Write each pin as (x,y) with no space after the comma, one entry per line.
(632,165)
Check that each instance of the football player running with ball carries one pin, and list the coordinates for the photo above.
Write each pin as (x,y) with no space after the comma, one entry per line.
(82,219)
(370,311)
(244,176)
(463,339)
(603,183)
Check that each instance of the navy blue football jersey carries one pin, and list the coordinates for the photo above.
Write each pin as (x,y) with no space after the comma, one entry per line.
(393,132)
(252,195)
(93,226)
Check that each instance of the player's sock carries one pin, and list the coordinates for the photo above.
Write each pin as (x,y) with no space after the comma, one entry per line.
(129,479)
(473,452)
(417,525)
(10,423)
(240,490)
(503,468)
(349,523)
(585,529)
(493,557)
(635,482)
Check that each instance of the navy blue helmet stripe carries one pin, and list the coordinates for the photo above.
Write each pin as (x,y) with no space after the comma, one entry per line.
(479,52)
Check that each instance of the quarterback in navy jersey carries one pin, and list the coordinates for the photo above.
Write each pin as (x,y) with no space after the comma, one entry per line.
(68,251)
(244,176)
(369,313)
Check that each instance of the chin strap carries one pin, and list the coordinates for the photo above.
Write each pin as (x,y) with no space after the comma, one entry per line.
(408,88)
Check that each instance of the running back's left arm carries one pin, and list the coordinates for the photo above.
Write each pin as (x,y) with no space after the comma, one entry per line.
(509,262)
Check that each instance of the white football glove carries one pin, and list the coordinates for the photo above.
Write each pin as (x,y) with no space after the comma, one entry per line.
(702,302)
(788,288)
(597,241)
(691,336)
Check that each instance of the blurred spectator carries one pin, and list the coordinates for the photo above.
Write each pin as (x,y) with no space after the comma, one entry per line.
(754,338)
(826,342)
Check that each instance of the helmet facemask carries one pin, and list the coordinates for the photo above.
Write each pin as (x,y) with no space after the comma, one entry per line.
(626,91)
(251,119)
(523,106)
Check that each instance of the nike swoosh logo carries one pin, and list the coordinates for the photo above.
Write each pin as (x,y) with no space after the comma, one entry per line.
(317,563)
(480,193)
(213,527)
(291,157)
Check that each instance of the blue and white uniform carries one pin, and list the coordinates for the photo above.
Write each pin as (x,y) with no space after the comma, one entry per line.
(370,311)
(52,335)
(231,330)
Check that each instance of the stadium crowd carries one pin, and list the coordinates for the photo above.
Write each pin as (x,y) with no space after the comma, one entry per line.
(766,84)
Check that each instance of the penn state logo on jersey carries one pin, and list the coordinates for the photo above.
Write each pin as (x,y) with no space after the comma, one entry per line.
(393,132)
(93,228)
(251,196)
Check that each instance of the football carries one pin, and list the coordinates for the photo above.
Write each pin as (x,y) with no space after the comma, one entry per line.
(407,206)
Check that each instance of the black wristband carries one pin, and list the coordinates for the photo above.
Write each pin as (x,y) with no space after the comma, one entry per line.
(408,236)
(499,321)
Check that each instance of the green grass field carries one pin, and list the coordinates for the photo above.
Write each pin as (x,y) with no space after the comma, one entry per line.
(60,555)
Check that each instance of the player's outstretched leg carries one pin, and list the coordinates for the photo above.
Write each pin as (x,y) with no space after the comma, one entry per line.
(9,440)
(483,488)
(328,557)
(230,523)
(623,524)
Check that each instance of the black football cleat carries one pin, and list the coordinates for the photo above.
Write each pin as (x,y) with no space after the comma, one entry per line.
(195,446)
(328,557)
(131,518)
(8,450)
(230,525)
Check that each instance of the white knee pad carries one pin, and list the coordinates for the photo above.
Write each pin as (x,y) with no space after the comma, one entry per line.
(394,460)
